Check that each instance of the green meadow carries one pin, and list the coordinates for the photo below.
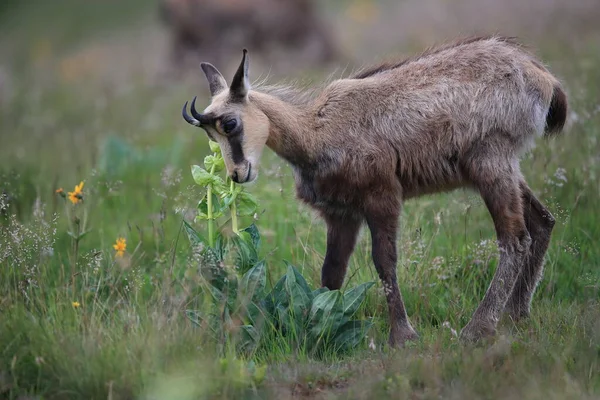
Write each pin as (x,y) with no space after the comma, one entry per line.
(81,319)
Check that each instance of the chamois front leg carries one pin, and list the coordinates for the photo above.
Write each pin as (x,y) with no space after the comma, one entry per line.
(383,224)
(341,238)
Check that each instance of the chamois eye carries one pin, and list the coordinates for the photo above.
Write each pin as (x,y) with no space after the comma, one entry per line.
(229,125)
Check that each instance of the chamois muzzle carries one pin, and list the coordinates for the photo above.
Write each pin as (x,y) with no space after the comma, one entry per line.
(243,173)
(197,119)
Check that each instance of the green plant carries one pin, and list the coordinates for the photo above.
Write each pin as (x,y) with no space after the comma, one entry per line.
(221,197)
(319,319)
(313,319)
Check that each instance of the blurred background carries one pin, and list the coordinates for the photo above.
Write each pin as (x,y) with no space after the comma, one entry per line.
(92,90)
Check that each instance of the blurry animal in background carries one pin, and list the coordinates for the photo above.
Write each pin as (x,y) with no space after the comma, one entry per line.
(215,28)
(456,116)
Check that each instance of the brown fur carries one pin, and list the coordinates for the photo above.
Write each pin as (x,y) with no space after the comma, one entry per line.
(460,115)
(389,65)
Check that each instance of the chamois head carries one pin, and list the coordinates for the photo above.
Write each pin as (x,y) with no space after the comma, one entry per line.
(231,120)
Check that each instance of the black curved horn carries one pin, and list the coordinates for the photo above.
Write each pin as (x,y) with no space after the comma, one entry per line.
(189,119)
(196,114)
(196,119)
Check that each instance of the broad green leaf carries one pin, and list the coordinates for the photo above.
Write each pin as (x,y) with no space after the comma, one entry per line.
(207,260)
(318,291)
(354,298)
(245,236)
(203,208)
(283,318)
(300,298)
(201,176)
(229,195)
(228,198)
(214,147)
(324,303)
(192,235)
(216,161)
(219,185)
(231,290)
(326,314)
(246,255)
(204,178)
(246,204)
(237,251)
(351,334)
(254,313)
(208,162)
(300,280)
(237,189)
(250,335)
(211,268)
(252,230)
(254,281)
(277,296)
(221,244)
(216,294)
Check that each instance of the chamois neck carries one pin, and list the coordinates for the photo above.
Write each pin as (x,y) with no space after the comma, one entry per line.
(288,128)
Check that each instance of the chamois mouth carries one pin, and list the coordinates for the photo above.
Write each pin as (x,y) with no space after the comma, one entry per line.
(237,178)
(249,172)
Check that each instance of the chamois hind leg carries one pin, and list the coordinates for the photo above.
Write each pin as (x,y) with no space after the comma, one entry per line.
(539,222)
(341,238)
(499,187)
(382,220)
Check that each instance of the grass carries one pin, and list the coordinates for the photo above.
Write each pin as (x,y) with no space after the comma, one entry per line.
(62,121)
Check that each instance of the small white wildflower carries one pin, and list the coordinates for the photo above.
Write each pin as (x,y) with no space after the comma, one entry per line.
(372,344)
(447,325)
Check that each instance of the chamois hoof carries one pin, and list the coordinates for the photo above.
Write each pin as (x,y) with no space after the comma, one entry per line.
(477,330)
(401,335)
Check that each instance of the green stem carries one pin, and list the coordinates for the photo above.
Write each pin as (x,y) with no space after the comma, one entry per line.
(233,211)
(211,221)
(76,239)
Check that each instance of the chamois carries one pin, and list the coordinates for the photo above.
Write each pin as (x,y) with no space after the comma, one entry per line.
(459,115)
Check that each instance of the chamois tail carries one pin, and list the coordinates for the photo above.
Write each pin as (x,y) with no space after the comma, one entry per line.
(557,114)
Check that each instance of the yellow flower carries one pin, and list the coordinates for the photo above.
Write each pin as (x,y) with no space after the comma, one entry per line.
(75,304)
(76,195)
(120,246)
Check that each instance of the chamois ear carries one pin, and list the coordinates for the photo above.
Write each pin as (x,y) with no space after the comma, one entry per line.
(240,83)
(216,82)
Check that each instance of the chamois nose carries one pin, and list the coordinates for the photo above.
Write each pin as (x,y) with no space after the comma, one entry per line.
(242,173)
